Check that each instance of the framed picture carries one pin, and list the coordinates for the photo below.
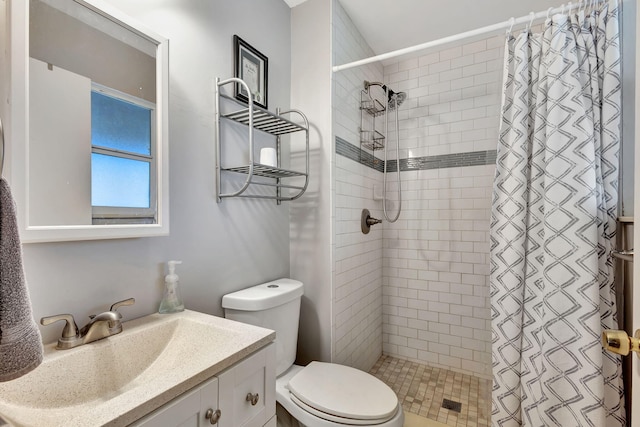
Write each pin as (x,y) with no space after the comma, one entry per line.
(252,67)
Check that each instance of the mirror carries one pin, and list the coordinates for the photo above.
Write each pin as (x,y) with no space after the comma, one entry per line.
(93,164)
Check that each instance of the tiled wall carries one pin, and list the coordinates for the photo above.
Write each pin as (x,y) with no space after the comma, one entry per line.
(357,292)
(432,265)
(436,256)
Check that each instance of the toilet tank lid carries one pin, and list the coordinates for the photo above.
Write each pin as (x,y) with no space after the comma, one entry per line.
(264,296)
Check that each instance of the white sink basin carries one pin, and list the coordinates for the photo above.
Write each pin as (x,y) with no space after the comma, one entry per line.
(89,372)
(119,379)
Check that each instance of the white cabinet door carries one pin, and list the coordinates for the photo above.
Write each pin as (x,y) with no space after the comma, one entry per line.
(209,393)
(247,391)
(188,410)
(254,376)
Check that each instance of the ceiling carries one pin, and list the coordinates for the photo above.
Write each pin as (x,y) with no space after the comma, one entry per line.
(389,25)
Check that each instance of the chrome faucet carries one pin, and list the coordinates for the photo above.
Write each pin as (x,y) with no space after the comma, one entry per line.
(100,326)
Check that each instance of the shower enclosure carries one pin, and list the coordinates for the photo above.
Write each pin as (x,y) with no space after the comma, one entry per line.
(433,284)
(418,288)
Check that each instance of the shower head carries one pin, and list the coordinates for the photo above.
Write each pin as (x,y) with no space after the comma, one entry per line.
(396,99)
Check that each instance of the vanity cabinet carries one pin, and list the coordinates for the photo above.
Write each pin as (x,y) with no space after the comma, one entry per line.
(240,396)
(188,410)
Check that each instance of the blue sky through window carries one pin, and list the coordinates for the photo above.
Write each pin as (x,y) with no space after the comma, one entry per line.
(120,125)
(119,182)
(117,179)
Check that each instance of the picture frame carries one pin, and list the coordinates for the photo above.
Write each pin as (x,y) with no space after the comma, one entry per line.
(253,68)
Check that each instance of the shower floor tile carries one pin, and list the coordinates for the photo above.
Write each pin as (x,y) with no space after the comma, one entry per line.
(422,390)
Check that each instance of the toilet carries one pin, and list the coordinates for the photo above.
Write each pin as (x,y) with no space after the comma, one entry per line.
(319,394)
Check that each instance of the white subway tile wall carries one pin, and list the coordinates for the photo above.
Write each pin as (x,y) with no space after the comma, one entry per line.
(417,289)
(436,256)
(357,283)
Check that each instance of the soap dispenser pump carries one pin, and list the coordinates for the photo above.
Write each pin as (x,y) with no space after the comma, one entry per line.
(171,301)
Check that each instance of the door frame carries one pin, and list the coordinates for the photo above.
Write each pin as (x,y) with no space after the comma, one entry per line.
(635,300)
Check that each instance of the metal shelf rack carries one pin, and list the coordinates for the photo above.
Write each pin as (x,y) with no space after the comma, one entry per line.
(370,138)
(256,118)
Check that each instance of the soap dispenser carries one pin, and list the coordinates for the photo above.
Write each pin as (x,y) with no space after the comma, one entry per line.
(171,301)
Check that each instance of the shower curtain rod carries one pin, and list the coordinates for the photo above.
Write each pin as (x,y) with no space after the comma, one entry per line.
(461,36)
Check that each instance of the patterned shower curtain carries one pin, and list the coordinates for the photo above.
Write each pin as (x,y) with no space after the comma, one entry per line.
(553,225)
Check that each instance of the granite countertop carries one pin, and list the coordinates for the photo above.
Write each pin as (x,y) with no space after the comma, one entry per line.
(120,379)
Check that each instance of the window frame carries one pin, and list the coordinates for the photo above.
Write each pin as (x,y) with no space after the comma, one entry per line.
(110,214)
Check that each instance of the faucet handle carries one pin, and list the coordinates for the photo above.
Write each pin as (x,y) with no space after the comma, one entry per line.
(119,304)
(70,328)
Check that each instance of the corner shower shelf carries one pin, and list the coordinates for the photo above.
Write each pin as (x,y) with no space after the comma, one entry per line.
(256,118)
(370,138)
(372,106)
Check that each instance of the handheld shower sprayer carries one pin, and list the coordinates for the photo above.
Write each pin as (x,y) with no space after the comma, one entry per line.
(394,100)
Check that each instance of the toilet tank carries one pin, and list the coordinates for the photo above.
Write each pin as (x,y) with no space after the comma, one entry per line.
(273,305)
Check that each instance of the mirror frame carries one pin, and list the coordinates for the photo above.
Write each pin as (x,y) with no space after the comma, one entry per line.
(19,132)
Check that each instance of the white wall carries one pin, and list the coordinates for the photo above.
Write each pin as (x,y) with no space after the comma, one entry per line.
(436,274)
(435,301)
(627,154)
(311,231)
(60,146)
(66,41)
(224,247)
(5,46)
(357,298)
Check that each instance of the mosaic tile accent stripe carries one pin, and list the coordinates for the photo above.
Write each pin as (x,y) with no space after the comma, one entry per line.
(475,158)
(359,155)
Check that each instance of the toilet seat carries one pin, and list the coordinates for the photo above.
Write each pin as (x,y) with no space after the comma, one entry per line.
(333,418)
(342,394)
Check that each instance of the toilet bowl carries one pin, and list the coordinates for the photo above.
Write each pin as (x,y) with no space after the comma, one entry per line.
(311,416)
(319,394)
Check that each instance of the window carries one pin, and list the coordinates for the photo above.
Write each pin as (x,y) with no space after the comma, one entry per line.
(122,157)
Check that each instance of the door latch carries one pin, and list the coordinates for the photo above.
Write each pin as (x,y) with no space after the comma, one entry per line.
(621,343)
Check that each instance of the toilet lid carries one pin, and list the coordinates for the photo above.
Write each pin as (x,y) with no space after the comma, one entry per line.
(345,392)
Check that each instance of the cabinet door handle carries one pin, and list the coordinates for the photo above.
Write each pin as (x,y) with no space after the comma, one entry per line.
(213,416)
(253,398)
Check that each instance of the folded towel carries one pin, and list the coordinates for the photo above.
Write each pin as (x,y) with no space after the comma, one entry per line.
(20,342)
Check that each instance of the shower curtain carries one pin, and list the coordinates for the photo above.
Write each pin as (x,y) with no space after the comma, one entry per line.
(553,225)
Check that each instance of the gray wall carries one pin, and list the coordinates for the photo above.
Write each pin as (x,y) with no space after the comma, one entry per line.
(224,247)
(312,215)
